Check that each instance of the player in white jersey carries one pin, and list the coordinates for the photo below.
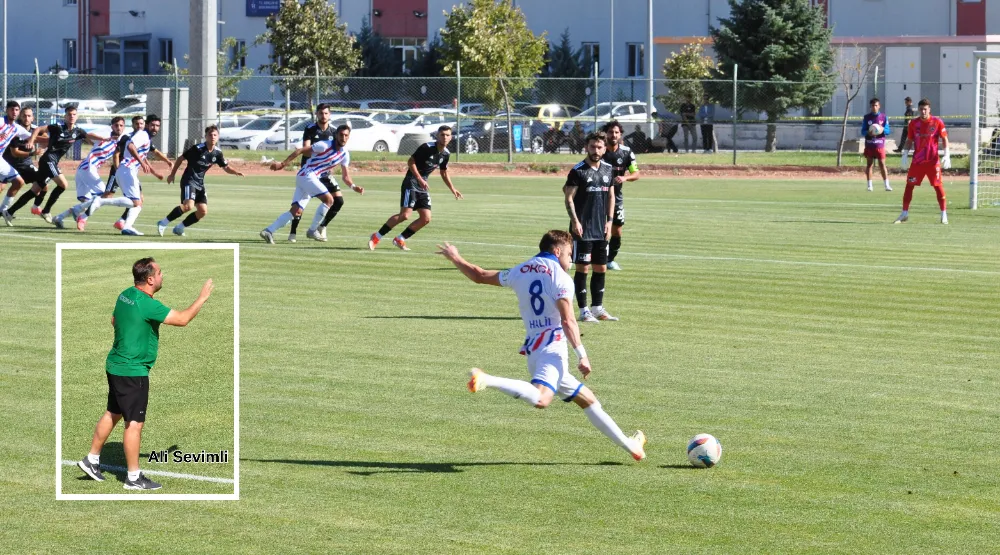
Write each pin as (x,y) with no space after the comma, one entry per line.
(9,130)
(545,294)
(89,184)
(323,157)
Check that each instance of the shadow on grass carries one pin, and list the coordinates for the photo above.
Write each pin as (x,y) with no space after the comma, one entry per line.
(680,467)
(113,454)
(369,468)
(417,317)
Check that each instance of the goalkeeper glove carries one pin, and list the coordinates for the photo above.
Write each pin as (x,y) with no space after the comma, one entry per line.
(946,162)
(906,158)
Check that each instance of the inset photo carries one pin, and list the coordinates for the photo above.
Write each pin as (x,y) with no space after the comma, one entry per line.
(147,371)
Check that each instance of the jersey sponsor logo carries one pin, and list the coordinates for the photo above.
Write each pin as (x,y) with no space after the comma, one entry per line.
(536,269)
(606,179)
(126,300)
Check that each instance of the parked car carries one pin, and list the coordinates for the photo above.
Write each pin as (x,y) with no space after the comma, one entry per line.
(417,104)
(375,117)
(252,135)
(29,102)
(133,110)
(551,117)
(365,135)
(624,112)
(465,108)
(474,137)
(233,120)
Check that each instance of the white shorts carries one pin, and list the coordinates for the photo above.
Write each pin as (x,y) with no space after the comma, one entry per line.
(7,173)
(128,180)
(88,184)
(307,187)
(549,366)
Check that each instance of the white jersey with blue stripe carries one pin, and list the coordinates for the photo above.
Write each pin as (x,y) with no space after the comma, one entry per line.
(325,156)
(10,130)
(539,283)
(99,154)
(141,141)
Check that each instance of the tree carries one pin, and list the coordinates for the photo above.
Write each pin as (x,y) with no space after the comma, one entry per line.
(304,35)
(686,72)
(782,49)
(230,72)
(853,72)
(378,59)
(429,62)
(570,71)
(492,39)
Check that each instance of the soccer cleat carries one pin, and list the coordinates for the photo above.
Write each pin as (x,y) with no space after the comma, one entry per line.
(321,231)
(614,266)
(639,441)
(132,231)
(888,188)
(58,222)
(902,218)
(47,217)
(400,244)
(7,218)
(604,315)
(141,483)
(315,234)
(291,237)
(92,470)
(587,316)
(81,224)
(267,236)
(160,228)
(120,225)
(36,210)
(870,189)
(178,231)
(372,241)
(944,219)
(475,380)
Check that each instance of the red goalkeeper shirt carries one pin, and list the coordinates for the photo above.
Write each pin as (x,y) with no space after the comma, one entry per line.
(925,135)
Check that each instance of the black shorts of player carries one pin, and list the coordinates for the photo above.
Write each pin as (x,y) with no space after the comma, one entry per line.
(414,198)
(28,173)
(189,192)
(47,170)
(590,252)
(128,396)
(112,185)
(330,184)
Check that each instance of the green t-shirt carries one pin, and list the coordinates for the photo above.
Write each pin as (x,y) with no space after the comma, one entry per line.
(137,333)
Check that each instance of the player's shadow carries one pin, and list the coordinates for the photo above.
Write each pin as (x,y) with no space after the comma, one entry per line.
(428,317)
(852,222)
(369,468)
(680,467)
(113,455)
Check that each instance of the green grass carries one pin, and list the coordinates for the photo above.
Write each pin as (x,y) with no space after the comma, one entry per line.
(847,365)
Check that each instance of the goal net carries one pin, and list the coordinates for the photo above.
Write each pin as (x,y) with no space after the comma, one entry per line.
(984,161)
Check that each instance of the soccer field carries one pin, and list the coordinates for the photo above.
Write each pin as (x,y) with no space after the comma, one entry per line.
(847,365)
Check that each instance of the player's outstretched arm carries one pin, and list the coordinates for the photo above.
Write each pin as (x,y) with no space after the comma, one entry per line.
(174,168)
(298,152)
(96,139)
(231,171)
(345,175)
(39,132)
(184,317)
(447,181)
(471,271)
(572,330)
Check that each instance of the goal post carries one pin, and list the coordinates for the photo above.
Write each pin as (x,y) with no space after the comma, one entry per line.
(984,152)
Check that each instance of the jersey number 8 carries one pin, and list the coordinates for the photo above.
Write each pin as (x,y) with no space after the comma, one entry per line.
(537,302)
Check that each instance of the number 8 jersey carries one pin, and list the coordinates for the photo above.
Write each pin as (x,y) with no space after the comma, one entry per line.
(539,283)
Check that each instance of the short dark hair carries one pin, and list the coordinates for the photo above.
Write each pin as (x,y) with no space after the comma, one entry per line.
(611,124)
(342,127)
(143,269)
(924,102)
(907,99)
(554,238)
(874,100)
(69,108)
(116,119)
(150,118)
(597,136)
(12,104)
(211,128)
(322,106)
(137,118)
(444,128)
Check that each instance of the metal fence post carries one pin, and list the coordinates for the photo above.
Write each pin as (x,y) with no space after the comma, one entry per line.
(735,68)
(288,103)
(174,148)
(458,109)
(596,83)
(317,86)
(974,147)
(38,90)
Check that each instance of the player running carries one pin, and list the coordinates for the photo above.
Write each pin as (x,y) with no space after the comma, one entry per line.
(590,203)
(9,131)
(17,154)
(544,292)
(325,156)
(89,184)
(925,131)
(875,142)
(414,195)
(319,130)
(622,161)
(200,158)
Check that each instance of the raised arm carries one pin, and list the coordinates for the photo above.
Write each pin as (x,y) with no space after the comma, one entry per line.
(184,317)
(345,175)
(298,152)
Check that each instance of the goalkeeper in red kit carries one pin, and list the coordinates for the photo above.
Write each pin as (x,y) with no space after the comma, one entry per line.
(923,134)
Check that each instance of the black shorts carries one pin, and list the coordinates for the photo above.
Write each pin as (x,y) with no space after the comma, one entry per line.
(47,170)
(590,252)
(112,185)
(189,192)
(28,173)
(414,198)
(619,218)
(128,396)
(330,184)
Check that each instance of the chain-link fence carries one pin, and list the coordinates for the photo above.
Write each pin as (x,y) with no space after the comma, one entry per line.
(546,115)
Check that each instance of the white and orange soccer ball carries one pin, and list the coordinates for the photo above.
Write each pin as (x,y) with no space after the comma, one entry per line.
(875,129)
(704,451)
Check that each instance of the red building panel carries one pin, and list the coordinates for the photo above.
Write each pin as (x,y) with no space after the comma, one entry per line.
(398,18)
(971,18)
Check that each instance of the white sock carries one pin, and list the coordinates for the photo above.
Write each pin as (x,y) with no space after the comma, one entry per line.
(6,202)
(869,183)
(321,211)
(133,215)
(886,182)
(83,208)
(607,426)
(63,215)
(94,459)
(517,389)
(123,202)
(133,476)
(281,222)
(164,222)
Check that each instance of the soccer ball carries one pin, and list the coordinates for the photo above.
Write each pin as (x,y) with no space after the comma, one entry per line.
(874,129)
(704,451)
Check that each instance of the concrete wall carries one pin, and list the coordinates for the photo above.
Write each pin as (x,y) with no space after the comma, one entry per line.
(25,21)
(885,18)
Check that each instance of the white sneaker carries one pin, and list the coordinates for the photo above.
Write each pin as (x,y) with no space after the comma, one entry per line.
(944,218)
(178,231)
(902,218)
(614,266)
(58,222)
(291,237)
(321,231)
(132,231)
(7,218)
(602,314)
(870,189)
(587,316)
(888,188)
(639,445)
(314,234)
(161,227)
(267,236)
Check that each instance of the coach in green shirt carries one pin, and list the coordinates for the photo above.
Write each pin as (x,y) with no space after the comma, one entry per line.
(137,318)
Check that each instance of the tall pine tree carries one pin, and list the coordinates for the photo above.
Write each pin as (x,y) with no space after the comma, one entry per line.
(569,71)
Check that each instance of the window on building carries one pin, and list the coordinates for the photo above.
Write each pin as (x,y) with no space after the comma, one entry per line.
(239,54)
(636,59)
(69,53)
(592,51)
(69,2)
(167,51)
(408,49)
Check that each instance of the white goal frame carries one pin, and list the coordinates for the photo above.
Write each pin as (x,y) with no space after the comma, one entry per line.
(980,56)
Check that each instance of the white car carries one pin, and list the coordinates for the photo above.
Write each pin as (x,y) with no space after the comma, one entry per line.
(365,135)
(380,116)
(413,127)
(624,112)
(252,135)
